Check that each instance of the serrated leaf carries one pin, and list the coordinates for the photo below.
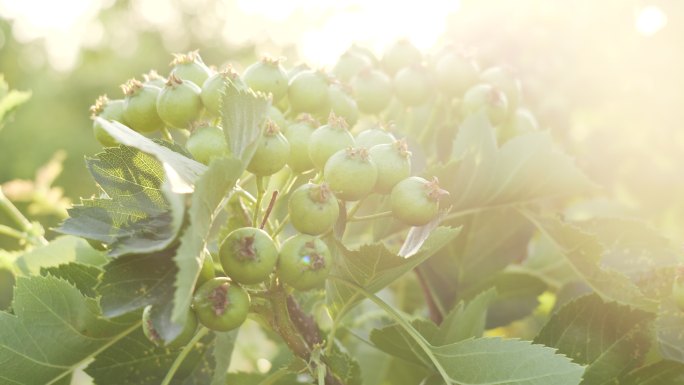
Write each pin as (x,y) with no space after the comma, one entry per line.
(84,277)
(222,354)
(658,373)
(525,169)
(211,192)
(669,328)
(546,261)
(135,360)
(395,341)
(134,281)
(610,338)
(374,267)
(61,250)
(284,378)
(243,114)
(466,320)
(583,251)
(181,171)
(137,213)
(503,361)
(55,330)
(516,299)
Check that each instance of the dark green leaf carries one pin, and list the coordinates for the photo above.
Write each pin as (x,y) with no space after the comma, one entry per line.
(611,339)
(84,277)
(55,330)
(669,327)
(466,320)
(222,354)
(516,299)
(395,341)
(659,373)
(137,213)
(374,267)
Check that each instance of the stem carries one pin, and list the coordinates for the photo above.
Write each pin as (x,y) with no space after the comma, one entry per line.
(10,232)
(370,217)
(274,196)
(245,194)
(436,314)
(183,354)
(413,333)
(354,208)
(259,198)
(24,224)
(284,325)
(281,226)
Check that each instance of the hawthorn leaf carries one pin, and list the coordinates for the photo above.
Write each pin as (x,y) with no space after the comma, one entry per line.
(137,212)
(466,320)
(669,329)
(394,341)
(10,100)
(524,170)
(134,360)
(83,277)
(55,330)
(657,373)
(61,250)
(374,267)
(505,361)
(243,114)
(517,297)
(212,190)
(132,282)
(611,339)
(222,353)
(180,171)
(583,251)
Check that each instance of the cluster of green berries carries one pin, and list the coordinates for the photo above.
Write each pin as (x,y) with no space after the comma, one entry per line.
(349,157)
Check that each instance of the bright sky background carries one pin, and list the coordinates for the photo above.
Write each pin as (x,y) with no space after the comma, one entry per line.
(321,28)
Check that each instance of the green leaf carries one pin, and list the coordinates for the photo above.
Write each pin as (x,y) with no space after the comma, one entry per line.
(243,114)
(516,299)
(546,261)
(134,360)
(55,330)
(281,377)
(466,320)
(137,213)
(344,367)
(669,328)
(504,361)
(394,340)
(611,339)
(10,100)
(134,281)
(222,354)
(61,250)
(84,277)
(524,170)
(374,267)
(658,373)
(583,251)
(211,191)
(181,171)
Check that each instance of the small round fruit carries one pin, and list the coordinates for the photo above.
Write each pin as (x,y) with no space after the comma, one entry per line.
(487,98)
(140,107)
(213,86)
(272,152)
(393,162)
(349,64)
(455,73)
(342,104)
(504,80)
(298,134)
(151,331)
(153,78)
(351,173)
(328,139)
(207,143)
(221,305)
(248,255)
(304,262)
(110,110)
(413,85)
(190,67)
(179,103)
(373,90)
(399,55)
(267,76)
(207,271)
(313,209)
(373,136)
(308,91)
(276,116)
(415,201)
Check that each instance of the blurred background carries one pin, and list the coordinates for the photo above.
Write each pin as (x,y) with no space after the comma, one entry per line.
(605,77)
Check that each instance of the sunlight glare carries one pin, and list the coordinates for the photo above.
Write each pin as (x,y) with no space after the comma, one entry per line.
(650,20)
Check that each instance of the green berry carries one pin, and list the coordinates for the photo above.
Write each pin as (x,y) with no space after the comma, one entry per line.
(351,173)
(221,305)
(304,262)
(110,110)
(313,209)
(272,152)
(308,92)
(207,143)
(179,103)
(393,162)
(415,201)
(248,255)
(298,135)
(328,139)
(190,67)
(140,107)
(373,91)
(267,76)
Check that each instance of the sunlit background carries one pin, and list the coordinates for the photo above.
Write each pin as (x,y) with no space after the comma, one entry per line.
(605,77)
